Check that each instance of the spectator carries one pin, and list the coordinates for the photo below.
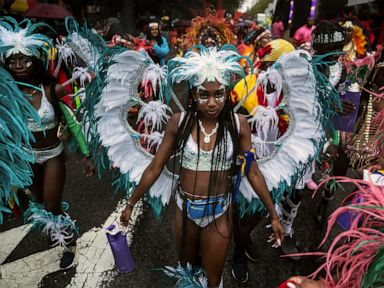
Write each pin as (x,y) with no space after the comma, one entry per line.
(277,28)
(304,33)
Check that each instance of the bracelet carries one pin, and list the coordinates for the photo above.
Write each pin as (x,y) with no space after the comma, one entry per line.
(130,205)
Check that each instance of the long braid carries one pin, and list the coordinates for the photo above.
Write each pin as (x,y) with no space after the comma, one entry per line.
(227,124)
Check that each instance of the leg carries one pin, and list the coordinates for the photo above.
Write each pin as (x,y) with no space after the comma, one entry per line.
(243,229)
(54,178)
(340,167)
(341,164)
(287,211)
(244,246)
(38,180)
(215,239)
(187,239)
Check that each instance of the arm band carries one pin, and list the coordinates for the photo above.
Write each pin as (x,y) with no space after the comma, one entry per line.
(335,137)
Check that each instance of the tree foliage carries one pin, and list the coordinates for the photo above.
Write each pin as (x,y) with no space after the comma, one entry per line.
(259,7)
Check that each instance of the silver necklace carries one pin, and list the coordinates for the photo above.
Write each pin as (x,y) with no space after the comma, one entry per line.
(207,137)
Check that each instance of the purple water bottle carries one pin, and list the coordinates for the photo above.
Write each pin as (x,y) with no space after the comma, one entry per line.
(120,249)
(347,123)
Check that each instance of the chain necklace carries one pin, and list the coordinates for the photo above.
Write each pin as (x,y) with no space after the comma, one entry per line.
(207,137)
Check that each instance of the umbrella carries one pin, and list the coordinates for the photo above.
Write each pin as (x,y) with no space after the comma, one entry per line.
(48,11)
(23,5)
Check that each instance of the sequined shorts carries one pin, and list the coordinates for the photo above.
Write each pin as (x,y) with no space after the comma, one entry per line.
(43,155)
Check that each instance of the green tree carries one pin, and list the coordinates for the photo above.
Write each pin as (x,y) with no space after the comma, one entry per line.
(259,7)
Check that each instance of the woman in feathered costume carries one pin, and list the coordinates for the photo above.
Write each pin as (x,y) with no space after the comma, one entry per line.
(25,56)
(209,138)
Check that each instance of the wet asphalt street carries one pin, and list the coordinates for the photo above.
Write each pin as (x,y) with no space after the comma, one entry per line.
(91,202)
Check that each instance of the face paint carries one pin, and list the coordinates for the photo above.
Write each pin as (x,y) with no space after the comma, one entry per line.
(202,101)
(220,99)
(200,88)
(203,95)
(220,96)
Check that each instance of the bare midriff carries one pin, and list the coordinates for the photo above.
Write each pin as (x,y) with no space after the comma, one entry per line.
(197,183)
(46,139)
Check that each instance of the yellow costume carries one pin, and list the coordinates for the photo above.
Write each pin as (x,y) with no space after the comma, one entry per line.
(242,89)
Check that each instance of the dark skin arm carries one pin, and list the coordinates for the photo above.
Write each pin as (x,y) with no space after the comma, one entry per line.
(256,179)
(153,171)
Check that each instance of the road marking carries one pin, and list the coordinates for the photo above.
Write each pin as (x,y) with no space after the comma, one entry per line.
(95,263)
(29,271)
(10,239)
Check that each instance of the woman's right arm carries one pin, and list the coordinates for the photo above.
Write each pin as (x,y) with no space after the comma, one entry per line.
(154,169)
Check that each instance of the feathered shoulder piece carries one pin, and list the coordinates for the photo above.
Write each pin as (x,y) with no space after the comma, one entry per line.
(23,38)
(208,64)
(15,139)
(84,42)
(213,25)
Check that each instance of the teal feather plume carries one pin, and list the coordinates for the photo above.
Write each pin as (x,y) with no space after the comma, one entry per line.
(15,140)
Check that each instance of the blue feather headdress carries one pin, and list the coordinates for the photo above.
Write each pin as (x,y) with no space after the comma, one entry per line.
(209,64)
(22,38)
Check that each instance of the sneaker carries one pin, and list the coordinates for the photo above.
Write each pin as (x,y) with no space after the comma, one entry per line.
(289,247)
(239,266)
(311,185)
(252,252)
(68,259)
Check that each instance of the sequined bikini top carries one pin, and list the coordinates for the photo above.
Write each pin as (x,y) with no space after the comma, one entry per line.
(46,113)
(202,160)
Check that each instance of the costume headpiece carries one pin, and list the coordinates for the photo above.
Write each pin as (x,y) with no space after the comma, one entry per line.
(153,24)
(209,65)
(214,25)
(358,38)
(14,39)
(328,33)
(274,49)
(256,35)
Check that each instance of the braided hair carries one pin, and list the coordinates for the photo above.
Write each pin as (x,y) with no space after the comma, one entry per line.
(227,125)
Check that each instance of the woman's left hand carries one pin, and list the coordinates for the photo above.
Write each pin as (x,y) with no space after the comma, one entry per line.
(277,233)
(90,167)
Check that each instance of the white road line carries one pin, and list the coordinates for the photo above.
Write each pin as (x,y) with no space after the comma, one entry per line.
(10,239)
(95,263)
(29,271)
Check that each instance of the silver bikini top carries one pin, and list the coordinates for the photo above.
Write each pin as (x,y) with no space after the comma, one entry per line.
(193,160)
(46,113)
